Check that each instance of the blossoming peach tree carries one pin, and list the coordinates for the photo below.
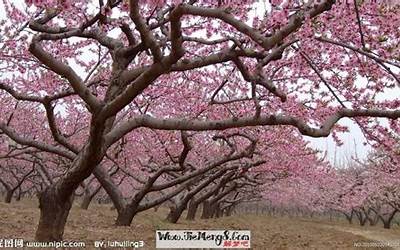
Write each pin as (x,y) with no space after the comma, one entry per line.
(81,75)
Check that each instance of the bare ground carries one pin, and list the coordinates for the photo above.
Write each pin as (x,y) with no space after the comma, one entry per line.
(373,234)
(19,220)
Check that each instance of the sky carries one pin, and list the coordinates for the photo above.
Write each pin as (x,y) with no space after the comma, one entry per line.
(353,145)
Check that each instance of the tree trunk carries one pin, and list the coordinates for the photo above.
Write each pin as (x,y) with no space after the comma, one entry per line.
(229,210)
(127,213)
(56,200)
(175,213)
(87,199)
(388,220)
(218,213)
(386,224)
(191,214)
(19,195)
(53,215)
(125,216)
(213,210)
(362,219)
(8,197)
(373,221)
(114,193)
(349,217)
(206,210)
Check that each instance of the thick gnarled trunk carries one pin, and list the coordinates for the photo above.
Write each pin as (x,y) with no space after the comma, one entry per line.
(53,215)
(125,216)
(56,200)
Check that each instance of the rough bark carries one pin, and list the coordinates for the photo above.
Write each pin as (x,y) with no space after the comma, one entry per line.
(56,200)
(125,216)
(53,215)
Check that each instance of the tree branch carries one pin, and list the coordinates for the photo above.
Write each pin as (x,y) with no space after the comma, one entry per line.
(64,70)
(36,144)
(202,125)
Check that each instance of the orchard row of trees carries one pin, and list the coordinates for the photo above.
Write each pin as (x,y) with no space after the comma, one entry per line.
(367,191)
(232,171)
(189,101)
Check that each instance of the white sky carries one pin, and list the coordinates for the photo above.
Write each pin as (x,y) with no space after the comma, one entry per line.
(353,144)
(353,141)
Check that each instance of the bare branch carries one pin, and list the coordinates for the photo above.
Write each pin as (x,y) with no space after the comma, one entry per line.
(280,119)
(145,33)
(54,130)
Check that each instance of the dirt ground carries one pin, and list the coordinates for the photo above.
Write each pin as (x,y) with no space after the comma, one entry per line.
(19,220)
